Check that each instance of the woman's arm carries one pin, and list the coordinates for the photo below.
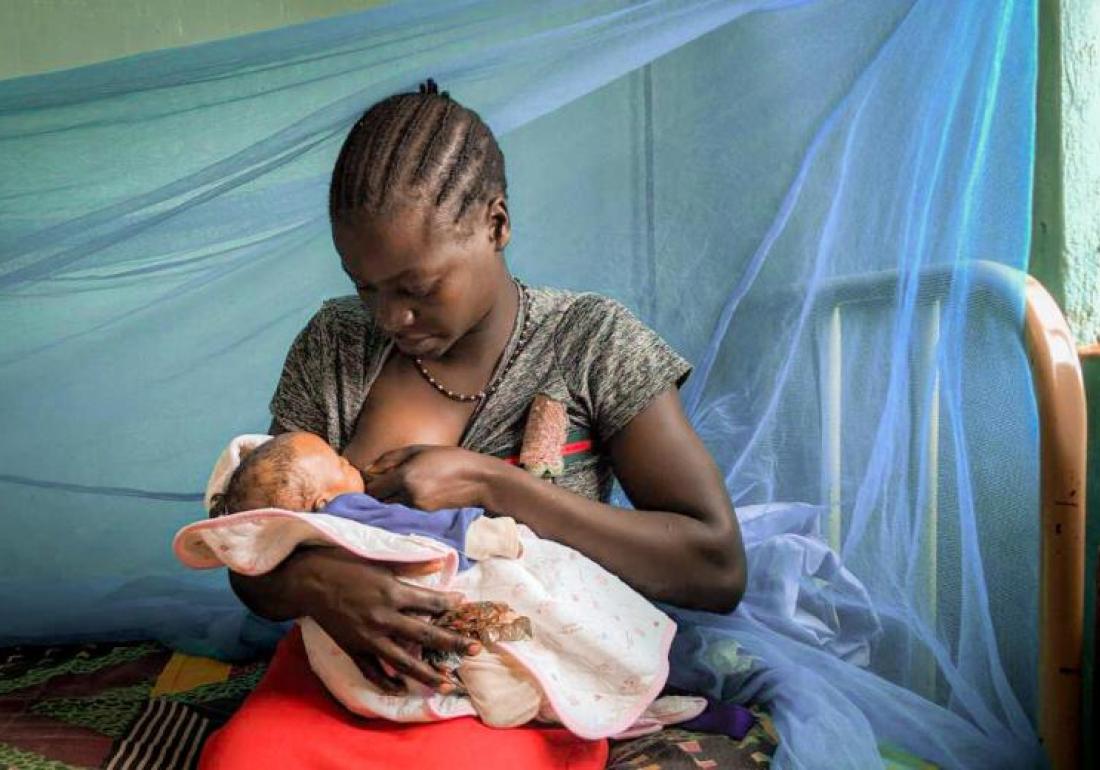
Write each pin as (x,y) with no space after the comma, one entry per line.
(682,545)
(360,605)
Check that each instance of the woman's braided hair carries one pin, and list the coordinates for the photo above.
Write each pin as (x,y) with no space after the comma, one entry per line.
(422,148)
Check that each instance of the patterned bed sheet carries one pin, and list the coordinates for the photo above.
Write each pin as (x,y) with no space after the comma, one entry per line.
(141,706)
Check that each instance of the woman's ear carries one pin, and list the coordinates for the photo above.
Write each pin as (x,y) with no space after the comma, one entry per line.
(500,222)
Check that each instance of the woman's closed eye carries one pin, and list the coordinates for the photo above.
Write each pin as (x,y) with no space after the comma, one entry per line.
(420,290)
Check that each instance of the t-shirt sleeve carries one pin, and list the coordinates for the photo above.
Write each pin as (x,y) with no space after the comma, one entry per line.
(298,402)
(613,363)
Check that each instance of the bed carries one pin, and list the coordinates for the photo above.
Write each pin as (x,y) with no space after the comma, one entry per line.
(139,704)
(1060,398)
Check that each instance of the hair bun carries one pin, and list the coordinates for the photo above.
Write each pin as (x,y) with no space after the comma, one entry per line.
(429,86)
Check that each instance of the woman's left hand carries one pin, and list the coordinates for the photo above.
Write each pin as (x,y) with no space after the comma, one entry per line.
(430,477)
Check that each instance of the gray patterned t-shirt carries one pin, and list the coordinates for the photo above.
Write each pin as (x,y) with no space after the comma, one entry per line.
(585,350)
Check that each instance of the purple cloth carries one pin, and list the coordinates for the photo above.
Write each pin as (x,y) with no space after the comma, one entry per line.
(725,718)
(448,525)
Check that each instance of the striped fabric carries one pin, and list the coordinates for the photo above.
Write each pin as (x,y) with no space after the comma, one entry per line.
(578,446)
(167,736)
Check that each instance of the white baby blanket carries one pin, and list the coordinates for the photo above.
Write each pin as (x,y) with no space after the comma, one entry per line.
(599,650)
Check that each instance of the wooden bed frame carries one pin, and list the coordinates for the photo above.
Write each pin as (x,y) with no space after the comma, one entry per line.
(1060,396)
(1060,391)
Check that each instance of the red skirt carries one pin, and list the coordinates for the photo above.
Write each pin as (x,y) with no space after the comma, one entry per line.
(290,721)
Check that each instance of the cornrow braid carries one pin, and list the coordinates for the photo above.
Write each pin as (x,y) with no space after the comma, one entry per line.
(423,148)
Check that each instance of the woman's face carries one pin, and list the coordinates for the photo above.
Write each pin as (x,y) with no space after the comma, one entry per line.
(427,282)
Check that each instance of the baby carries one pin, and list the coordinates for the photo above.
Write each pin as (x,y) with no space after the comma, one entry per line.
(299,471)
(563,640)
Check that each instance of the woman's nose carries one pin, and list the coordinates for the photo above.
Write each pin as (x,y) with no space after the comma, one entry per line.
(395,316)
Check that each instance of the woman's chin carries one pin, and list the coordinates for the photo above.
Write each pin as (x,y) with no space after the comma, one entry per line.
(426,347)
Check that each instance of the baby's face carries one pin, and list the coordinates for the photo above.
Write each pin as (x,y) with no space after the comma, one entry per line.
(332,474)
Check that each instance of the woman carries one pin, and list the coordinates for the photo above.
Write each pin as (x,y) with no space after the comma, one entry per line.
(425,382)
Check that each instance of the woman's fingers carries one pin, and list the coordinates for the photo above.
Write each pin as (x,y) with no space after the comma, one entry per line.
(388,487)
(410,598)
(391,459)
(414,599)
(371,616)
(435,637)
(412,667)
(416,569)
(373,673)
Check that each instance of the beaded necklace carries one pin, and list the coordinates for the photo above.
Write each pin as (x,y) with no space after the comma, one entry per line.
(522,311)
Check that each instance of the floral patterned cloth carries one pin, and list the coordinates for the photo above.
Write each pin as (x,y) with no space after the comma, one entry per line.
(674,749)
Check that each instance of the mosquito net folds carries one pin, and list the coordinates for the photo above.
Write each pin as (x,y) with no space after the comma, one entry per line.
(824,204)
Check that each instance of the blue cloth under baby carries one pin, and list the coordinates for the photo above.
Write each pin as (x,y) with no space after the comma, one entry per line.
(448,525)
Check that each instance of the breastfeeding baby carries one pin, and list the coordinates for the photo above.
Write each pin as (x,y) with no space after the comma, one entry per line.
(299,471)
(593,660)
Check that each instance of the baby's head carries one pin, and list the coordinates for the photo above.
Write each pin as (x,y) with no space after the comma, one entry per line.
(295,471)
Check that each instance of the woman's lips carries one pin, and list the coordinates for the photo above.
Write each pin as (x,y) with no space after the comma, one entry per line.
(414,345)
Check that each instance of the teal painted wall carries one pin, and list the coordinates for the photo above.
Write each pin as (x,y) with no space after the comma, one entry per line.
(1081,143)
(41,35)
(1066,226)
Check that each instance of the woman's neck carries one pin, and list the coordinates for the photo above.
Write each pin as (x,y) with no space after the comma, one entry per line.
(484,344)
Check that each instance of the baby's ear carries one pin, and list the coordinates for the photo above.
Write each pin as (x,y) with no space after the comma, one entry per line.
(319,503)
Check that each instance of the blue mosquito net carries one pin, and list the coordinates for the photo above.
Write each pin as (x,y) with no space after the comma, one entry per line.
(824,204)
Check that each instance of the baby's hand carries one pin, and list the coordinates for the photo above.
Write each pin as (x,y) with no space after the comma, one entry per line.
(486,621)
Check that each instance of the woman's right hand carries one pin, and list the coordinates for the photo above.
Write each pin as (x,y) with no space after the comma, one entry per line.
(370,614)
